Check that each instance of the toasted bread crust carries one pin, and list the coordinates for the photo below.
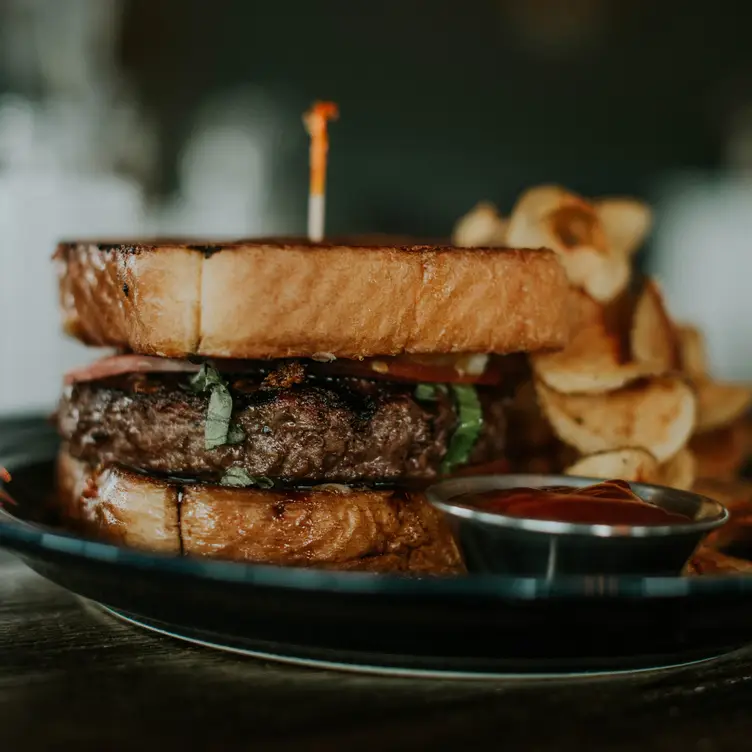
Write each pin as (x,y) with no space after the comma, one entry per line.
(270,299)
(367,530)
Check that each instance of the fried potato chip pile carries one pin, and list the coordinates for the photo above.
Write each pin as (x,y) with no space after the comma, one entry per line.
(482,227)
(631,394)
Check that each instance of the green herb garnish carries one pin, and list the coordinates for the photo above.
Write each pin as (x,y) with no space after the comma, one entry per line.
(429,392)
(217,429)
(205,379)
(218,417)
(470,421)
(237,477)
(235,434)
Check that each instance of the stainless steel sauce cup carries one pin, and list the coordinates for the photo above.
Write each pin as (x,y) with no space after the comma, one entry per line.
(502,544)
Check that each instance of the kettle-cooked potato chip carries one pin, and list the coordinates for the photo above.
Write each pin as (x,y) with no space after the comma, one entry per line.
(745,432)
(719,404)
(709,560)
(654,338)
(550,216)
(678,472)
(657,414)
(630,464)
(626,222)
(720,453)
(638,465)
(481,227)
(694,361)
(736,496)
(597,358)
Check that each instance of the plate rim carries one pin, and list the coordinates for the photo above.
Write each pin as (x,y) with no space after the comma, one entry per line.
(24,539)
(396,672)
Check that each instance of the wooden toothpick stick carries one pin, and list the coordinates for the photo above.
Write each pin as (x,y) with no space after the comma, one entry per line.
(316,120)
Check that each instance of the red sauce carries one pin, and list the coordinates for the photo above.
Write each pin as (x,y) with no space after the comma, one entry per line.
(610,503)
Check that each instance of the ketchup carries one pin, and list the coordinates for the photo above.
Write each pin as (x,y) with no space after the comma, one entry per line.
(610,503)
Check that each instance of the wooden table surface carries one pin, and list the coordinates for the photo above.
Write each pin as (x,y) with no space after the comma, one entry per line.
(73,678)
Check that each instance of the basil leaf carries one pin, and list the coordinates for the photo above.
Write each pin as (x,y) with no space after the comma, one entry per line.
(425,392)
(206,378)
(470,421)
(218,430)
(235,434)
(238,477)
(429,392)
(218,417)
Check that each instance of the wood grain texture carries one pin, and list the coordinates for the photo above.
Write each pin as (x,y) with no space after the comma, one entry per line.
(72,678)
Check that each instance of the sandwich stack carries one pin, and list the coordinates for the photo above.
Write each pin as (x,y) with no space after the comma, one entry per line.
(284,402)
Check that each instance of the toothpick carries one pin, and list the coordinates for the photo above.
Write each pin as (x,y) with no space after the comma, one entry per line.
(316,120)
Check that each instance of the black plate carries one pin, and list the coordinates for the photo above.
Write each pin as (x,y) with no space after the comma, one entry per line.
(474,625)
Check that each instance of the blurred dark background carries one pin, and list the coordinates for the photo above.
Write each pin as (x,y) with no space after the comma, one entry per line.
(446,101)
(183,117)
(443,102)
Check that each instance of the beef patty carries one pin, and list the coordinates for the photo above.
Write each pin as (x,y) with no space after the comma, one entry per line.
(335,429)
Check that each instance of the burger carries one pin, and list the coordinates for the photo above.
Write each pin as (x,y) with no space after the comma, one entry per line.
(285,403)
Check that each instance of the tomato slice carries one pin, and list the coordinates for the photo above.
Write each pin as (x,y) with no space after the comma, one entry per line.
(439,369)
(485,370)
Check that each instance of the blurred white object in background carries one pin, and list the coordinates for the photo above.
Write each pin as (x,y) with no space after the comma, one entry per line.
(61,148)
(45,196)
(702,254)
(226,170)
(36,210)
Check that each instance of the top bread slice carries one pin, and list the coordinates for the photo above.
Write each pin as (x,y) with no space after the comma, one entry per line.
(277,299)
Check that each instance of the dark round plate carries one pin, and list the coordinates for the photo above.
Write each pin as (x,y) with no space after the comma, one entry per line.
(479,625)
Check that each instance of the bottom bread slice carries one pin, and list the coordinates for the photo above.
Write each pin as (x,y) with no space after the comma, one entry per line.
(331,527)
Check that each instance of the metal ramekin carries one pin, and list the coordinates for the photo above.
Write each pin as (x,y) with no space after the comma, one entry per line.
(540,548)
